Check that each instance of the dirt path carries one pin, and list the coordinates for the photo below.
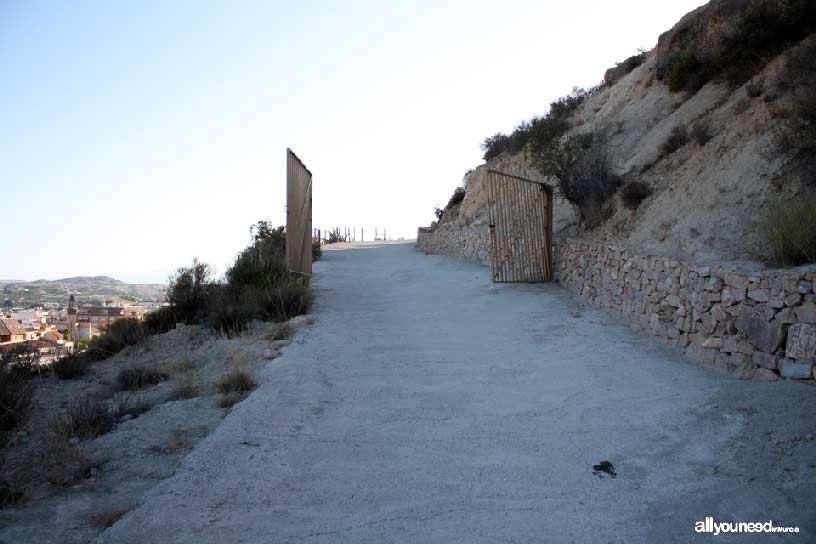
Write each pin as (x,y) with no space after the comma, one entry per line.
(426,405)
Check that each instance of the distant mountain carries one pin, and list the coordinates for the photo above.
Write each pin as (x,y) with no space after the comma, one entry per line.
(86,289)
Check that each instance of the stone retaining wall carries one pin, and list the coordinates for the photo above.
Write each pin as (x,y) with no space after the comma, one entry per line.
(756,325)
(759,325)
(469,243)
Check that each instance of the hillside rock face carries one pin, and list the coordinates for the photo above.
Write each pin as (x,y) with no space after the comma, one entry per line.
(707,195)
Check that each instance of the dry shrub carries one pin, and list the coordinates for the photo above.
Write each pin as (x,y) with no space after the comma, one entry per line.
(282,331)
(755,87)
(71,367)
(12,486)
(185,389)
(84,418)
(677,139)
(139,377)
(633,193)
(63,463)
(107,519)
(701,133)
(16,387)
(790,228)
(238,379)
(231,399)
(286,300)
(236,384)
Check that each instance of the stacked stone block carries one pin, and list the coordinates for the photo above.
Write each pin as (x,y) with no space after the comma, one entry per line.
(755,325)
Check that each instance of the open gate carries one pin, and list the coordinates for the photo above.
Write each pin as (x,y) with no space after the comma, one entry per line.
(520,212)
(298,216)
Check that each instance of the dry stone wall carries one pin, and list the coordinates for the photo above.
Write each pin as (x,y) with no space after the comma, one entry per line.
(756,325)
(759,325)
(471,243)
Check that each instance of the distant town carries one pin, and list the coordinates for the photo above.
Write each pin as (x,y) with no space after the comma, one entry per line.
(51,331)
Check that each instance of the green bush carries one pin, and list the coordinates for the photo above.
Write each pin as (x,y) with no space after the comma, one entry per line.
(581,169)
(159,321)
(120,334)
(287,300)
(231,320)
(189,292)
(687,73)
(72,366)
(539,131)
(790,228)
(456,198)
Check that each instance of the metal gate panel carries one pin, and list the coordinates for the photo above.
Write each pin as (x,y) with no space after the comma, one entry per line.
(298,216)
(520,212)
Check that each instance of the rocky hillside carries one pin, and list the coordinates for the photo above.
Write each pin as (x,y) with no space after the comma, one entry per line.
(697,124)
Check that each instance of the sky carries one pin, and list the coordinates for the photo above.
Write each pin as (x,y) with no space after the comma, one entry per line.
(135,136)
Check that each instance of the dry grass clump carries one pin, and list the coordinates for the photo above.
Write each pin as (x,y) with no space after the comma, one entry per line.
(282,331)
(236,384)
(238,379)
(185,389)
(186,363)
(701,133)
(790,228)
(677,139)
(63,462)
(84,418)
(140,377)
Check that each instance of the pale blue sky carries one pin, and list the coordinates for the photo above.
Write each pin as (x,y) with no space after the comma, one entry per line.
(137,135)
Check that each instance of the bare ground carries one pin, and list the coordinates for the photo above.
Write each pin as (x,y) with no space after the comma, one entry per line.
(141,450)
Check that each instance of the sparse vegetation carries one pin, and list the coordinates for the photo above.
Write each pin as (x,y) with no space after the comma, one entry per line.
(185,389)
(189,292)
(71,366)
(634,192)
(286,300)
(677,139)
(763,30)
(138,377)
(16,387)
(236,383)
(64,463)
(539,131)
(790,228)
(334,237)
(687,73)
(282,331)
(796,139)
(580,167)
(701,133)
(755,88)
(84,418)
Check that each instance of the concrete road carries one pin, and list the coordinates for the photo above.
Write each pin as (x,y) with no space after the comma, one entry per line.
(427,405)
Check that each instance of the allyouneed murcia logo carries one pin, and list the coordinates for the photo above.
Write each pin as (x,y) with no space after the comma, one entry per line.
(714,527)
